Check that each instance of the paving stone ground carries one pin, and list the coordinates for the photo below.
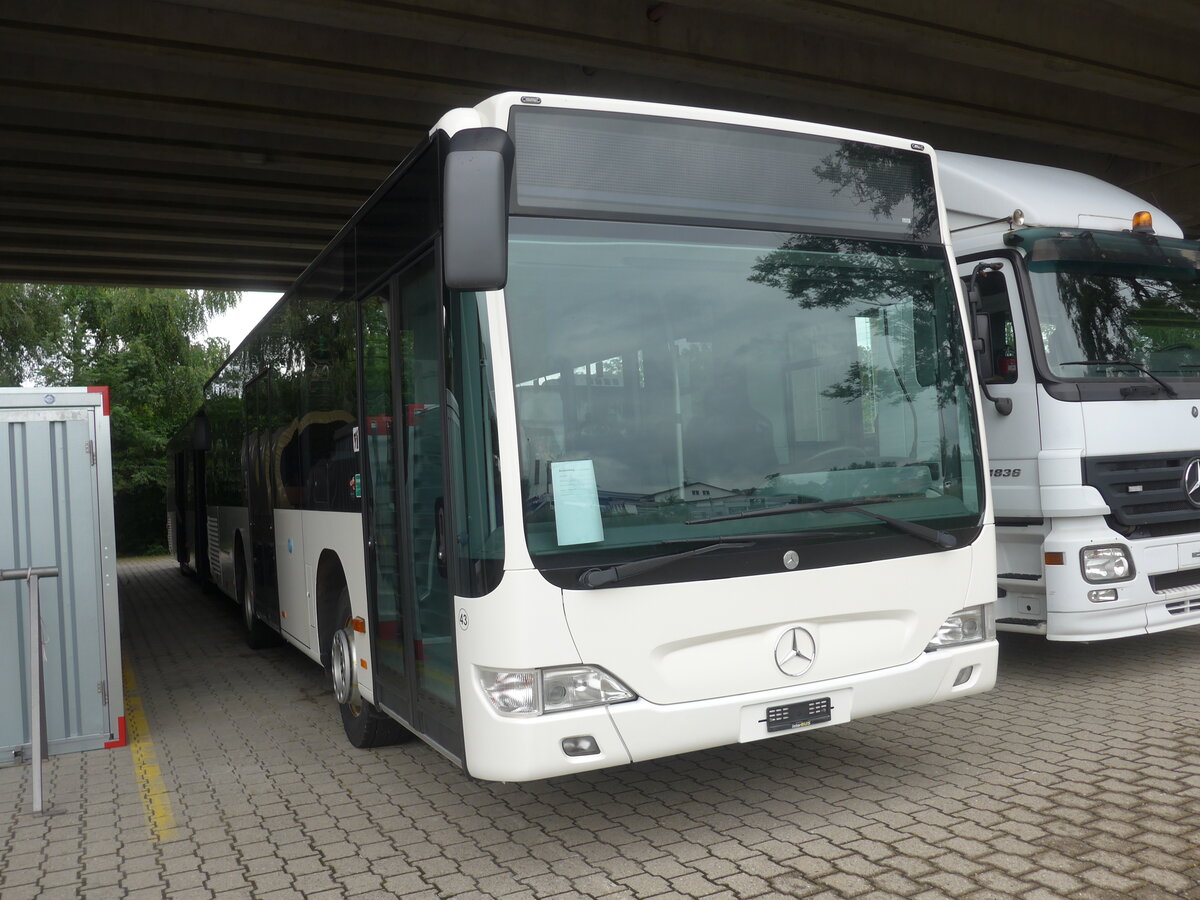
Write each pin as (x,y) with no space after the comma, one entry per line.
(1078,777)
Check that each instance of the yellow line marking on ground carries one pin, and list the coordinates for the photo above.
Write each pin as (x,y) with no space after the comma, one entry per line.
(160,818)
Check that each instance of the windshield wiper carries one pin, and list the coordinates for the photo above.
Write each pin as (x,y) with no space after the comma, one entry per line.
(940,538)
(1171,392)
(602,575)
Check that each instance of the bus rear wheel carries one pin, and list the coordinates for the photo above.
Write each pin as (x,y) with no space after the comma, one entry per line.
(258,632)
(365,725)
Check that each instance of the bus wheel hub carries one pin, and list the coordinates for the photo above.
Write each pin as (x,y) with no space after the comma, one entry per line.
(341,665)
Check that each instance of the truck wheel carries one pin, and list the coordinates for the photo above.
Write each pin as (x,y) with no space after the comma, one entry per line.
(365,725)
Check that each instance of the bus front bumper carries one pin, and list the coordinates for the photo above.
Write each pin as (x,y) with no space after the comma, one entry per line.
(527,749)
(651,731)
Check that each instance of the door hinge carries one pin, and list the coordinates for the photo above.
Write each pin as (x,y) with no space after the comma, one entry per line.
(90,447)
(102,690)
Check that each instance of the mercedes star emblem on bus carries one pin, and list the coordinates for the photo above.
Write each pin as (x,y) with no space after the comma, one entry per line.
(1191,481)
(795,652)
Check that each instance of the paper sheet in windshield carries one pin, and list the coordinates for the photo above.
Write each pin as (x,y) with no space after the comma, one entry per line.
(576,502)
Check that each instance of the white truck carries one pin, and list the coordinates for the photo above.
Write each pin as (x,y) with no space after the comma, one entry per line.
(1086,318)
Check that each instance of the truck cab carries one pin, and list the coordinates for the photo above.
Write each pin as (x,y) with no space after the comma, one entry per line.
(1085,310)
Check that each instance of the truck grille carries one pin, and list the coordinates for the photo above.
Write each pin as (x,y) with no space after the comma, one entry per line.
(1144,490)
(1179,607)
(1176,582)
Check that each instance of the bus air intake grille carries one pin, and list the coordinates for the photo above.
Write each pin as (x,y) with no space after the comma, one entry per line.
(1143,490)
(214,547)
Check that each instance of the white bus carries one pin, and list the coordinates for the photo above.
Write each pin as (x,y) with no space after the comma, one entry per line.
(610,430)
(1087,305)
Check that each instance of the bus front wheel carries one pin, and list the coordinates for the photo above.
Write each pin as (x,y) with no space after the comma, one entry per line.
(365,725)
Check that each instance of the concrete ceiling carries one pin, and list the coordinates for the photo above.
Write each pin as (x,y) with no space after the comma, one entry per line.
(221,143)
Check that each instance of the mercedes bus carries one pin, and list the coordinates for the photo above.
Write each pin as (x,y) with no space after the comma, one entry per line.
(609,430)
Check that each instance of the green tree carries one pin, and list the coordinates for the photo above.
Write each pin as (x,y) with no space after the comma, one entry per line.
(146,345)
(29,314)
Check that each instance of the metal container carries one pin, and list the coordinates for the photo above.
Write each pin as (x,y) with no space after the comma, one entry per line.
(56,510)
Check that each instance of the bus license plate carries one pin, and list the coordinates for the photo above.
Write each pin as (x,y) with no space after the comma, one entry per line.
(799,715)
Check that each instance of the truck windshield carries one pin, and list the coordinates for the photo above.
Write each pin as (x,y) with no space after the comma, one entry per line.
(1113,305)
(666,374)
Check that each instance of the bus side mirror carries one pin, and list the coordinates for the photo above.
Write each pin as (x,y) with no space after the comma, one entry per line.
(478,176)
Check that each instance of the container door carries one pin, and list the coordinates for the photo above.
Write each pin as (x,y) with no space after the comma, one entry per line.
(52,518)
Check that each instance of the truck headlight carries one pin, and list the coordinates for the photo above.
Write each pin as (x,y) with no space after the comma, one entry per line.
(975,623)
(533,692)
(1109,562)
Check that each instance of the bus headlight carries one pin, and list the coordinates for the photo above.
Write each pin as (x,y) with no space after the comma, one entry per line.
(532,692)
(975,623)
(573,687)
(1109,562)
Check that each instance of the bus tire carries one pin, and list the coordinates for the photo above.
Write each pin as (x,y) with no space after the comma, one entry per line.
(365,725)
(258,632)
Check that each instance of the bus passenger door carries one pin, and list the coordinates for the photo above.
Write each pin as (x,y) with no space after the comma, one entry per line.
(199,511)
(380,436)
(416,670)
(181,511)
(260,501)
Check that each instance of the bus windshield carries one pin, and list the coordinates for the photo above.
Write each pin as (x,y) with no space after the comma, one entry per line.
(1113,305)
(666,375)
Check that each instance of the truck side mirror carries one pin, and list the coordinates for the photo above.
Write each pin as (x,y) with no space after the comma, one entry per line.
(982,342)
(981,337)
(974,295)
(478,177)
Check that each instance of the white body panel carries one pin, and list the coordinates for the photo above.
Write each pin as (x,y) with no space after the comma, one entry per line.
(701,655)
(864,617)
(1047,440)
(312,535)
(1076,520)
(297,615)
(979,190)
(339,534)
